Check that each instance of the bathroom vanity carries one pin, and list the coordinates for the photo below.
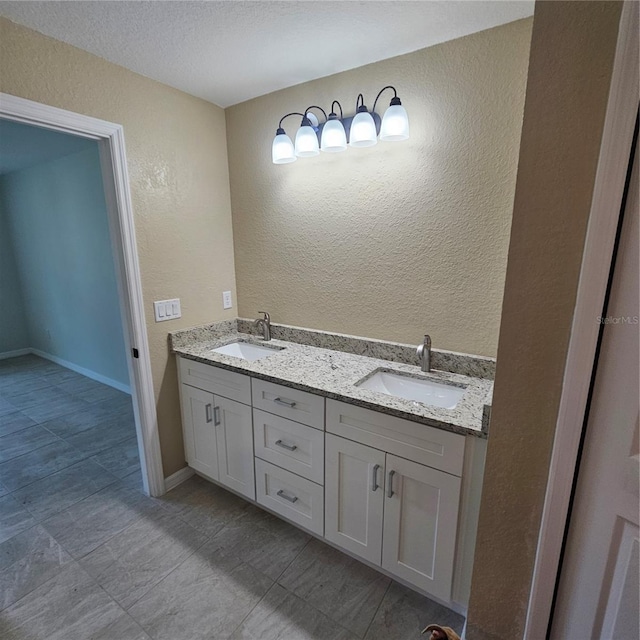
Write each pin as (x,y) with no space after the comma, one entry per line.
(324,438)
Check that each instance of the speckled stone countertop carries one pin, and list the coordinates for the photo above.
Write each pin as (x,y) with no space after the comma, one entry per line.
(334,374)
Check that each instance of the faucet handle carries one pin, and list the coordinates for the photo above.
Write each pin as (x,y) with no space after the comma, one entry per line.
(267,317)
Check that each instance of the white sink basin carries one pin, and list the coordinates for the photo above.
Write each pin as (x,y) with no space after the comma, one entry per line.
(246,351)
(429,392)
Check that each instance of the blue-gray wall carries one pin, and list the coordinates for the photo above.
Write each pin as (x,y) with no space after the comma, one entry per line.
(58,225)
(13,323)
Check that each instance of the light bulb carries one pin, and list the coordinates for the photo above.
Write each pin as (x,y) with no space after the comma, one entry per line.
(306,141)
(282,150)
(333,138)
(363,130)
(395,122)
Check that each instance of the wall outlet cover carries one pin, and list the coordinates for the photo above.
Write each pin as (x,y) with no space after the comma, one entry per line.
(226,300)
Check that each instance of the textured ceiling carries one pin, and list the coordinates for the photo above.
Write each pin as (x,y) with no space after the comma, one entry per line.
(230,51)
(23,146)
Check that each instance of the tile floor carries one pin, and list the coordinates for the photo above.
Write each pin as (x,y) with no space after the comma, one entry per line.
(84,554)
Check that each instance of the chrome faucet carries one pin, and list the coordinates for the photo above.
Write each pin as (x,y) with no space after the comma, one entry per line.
(264,324)
(424,353)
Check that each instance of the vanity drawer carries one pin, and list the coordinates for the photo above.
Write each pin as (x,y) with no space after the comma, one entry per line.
(293,497)
(228,384)
(289,403)
(411,440)
(290,445)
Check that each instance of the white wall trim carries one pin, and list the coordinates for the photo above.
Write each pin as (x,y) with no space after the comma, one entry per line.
(14,354)
(178,478)
(120,386)
(115,177)
(596,264)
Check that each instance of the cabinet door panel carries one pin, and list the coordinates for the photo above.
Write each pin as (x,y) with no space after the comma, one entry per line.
(199,430)
(420,522)
(353,507)
(235,446)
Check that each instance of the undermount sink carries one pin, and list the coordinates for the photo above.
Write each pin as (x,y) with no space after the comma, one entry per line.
(246,350)
(436,394)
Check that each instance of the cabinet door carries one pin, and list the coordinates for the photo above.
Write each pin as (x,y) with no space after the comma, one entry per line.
(420,522)
(354,497)
(199,430)
(235,446)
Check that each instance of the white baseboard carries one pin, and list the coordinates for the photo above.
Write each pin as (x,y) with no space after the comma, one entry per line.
(82,371)
(178,478)
(14,354)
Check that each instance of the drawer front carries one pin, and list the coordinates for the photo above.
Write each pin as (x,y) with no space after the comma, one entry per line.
(290,445)
(293,497)
(228,384)
(411,440)
(289,403)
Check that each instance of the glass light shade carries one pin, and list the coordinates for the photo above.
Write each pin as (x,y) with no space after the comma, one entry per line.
(363,130)
(306,142)
(395,124)
(282,150)
(333,138)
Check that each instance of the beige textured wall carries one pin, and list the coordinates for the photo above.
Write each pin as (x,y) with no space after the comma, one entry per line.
(572,49)
(402,238)
(177,158)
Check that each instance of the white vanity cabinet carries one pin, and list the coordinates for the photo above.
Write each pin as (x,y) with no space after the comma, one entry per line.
(401,495)
(218,433)
(390,510)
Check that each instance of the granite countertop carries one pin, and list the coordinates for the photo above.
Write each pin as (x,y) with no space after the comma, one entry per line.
(333,374)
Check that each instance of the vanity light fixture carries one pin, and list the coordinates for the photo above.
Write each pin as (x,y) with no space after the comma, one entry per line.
(333,135)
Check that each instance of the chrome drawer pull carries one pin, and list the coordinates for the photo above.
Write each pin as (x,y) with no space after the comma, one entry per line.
(390,491)
(282,494)
(284,445)
(207,412)
(216,416)
(374,478)
(285,403)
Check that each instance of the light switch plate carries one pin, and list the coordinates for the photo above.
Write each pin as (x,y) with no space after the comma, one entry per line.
(167,309)
(226,300)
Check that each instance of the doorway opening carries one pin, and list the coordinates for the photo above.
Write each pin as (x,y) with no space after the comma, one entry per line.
(106,141)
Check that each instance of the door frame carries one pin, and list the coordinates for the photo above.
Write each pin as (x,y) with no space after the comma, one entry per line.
(615,150)
(115,178)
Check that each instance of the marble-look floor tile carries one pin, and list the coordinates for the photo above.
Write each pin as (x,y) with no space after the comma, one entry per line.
(28,384)
(103,436)
(77,384)
(132,562)
(203,505)
(36,397)
(62,406)
(62,489)
(7,408)
(87,524)
(89,417)
(267,543)
(14,421)
(207,596)
(70,606)
(24,441)
(14,518)
(3,490)
(343,588)
(403,614)
(26,561)
(122,459)
(134,481)
(281,615)
(38,464)
(104,393)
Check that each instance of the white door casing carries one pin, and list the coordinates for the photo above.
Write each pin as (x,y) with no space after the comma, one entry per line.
(598,588)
